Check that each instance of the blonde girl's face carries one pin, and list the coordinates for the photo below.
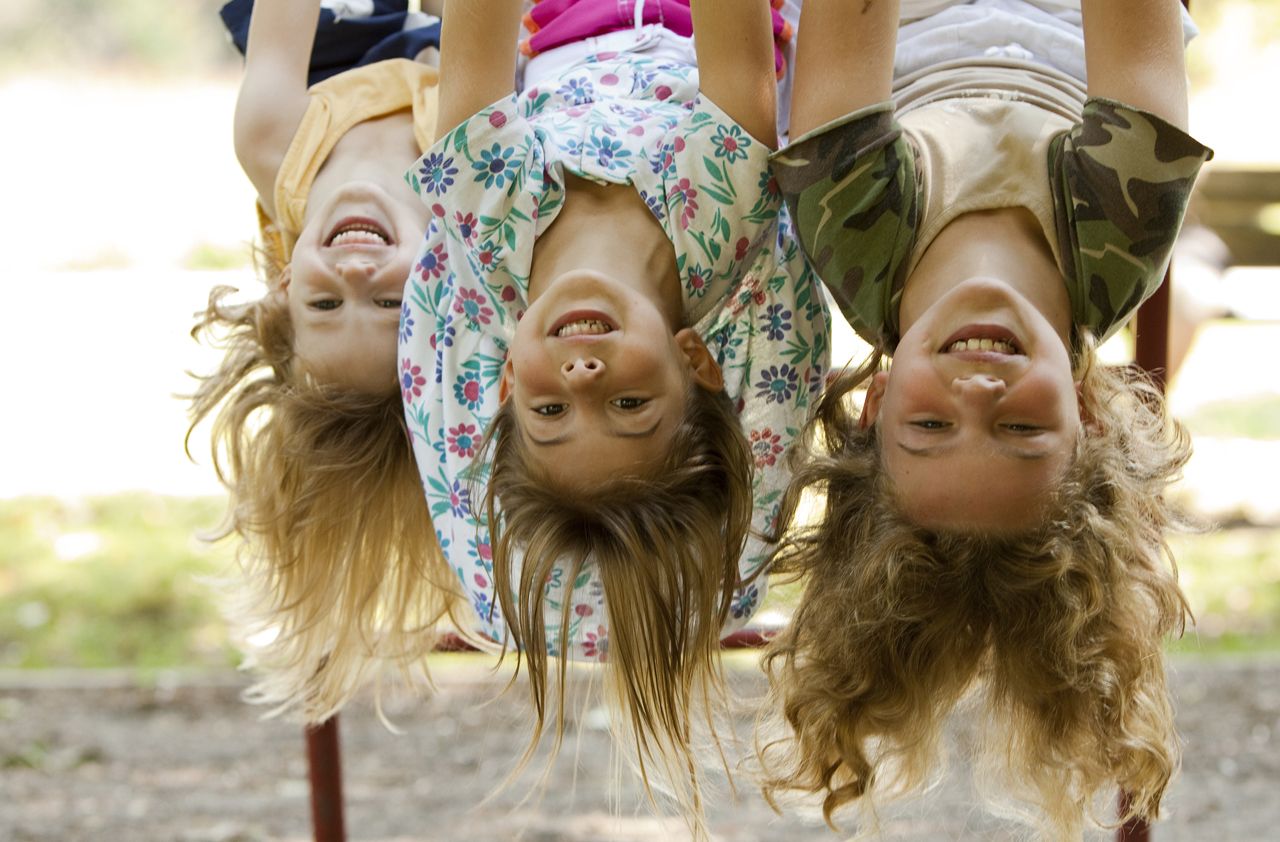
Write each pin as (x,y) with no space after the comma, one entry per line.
(979,413)
(344,284)
(600,381)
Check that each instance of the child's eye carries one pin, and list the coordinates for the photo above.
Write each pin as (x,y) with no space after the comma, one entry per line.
(389,303)
(326,304)
(630,403)
(930,424)
(549,410)
(1023,428)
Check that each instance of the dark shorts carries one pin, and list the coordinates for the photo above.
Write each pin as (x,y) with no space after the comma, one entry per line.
(352,42)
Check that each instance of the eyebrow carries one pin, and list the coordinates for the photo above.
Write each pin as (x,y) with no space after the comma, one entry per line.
(941,449)
(561,439)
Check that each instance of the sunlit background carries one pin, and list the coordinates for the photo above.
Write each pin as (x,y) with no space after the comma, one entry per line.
(123,205)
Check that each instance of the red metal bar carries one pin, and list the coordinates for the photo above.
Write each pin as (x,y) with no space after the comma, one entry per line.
(1134,830)
(1152,334)
(324,770)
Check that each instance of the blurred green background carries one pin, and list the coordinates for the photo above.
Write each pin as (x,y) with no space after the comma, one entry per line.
(126,205)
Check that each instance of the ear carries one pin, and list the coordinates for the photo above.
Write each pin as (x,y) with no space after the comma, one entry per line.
(702,365)
(875,394)
(286,277)
(506,382)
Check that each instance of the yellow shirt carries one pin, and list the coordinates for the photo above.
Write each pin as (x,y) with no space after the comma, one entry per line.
(337,104)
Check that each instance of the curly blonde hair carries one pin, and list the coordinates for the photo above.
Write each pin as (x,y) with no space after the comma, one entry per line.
(341,567)
(1059,630)
(667,549)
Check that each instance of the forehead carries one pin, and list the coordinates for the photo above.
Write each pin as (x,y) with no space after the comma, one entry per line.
(970,488)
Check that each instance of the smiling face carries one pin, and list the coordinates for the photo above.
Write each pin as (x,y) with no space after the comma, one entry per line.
(600,380)
(978,415)
(344,284)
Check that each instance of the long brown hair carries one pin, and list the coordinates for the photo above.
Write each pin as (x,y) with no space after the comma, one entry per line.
(341,567)
(1059,630)
(667,549)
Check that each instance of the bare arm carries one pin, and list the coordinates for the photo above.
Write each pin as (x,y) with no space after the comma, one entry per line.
(477,57)
(273,94)
(1133,52)
(844,59)
(734,40)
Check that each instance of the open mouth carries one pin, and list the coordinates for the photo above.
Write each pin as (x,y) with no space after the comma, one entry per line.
(582,323)
(358,232)
(983,339)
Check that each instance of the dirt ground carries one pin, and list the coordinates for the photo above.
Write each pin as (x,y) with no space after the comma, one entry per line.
(86,757)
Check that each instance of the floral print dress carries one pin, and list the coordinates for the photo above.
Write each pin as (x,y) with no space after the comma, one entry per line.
(494,184)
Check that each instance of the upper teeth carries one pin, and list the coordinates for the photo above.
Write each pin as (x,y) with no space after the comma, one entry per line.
(584,326)
(999,346)
(359,235)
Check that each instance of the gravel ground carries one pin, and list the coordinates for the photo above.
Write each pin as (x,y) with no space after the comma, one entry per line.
(94,757)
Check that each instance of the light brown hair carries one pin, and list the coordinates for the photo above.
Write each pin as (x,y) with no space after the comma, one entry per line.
(1058,630)
(667,548)
(338,555)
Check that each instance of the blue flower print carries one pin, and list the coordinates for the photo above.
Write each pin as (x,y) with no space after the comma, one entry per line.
(577,91)
(486,258)
(656,207)
(744,602)
(479,550)
(494,166)
(776,321)
(777,383)
(406,322)
(731,143)
(459,499)
(437,173)
(480,600)
(468,391)
(609,153)
(769,189)
(447,335)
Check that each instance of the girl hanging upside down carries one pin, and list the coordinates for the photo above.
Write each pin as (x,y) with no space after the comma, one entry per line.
(995,517)
(342,569)
(608,345)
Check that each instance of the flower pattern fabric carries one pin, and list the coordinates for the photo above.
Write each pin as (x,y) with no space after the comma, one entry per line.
(493,184)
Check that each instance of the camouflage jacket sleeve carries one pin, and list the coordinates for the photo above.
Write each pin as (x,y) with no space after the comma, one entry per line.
(1121,181)
(852,190)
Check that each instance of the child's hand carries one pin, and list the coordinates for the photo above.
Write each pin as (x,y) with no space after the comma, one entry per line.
(553,23)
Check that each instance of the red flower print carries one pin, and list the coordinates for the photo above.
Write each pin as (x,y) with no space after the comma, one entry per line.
(411,380)
(766,447)
(583,610)
(481,580)
(434,263)
(740,250)
(473,306)
(596,645)
(464,440)
(497,119)
(466,226)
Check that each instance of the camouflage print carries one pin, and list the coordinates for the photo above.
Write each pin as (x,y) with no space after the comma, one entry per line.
(1120,179)
(852,193)
(1121,182)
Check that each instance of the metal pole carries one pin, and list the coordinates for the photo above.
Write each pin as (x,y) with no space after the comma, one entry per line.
(324,769)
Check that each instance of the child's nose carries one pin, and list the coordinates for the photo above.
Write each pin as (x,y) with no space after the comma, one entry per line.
(979,386)
(356,268)
(582,369)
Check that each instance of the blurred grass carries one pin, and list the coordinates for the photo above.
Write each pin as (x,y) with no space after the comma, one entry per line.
(1231,578)
(117,581)
(1253,417)
(109,582)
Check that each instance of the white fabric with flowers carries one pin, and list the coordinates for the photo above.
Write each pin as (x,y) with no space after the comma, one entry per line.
(494,184)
